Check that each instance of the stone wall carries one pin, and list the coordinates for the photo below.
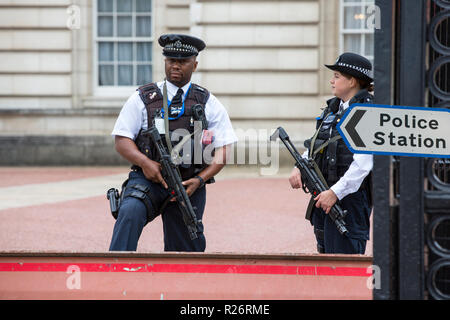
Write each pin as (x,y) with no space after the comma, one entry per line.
(263,61)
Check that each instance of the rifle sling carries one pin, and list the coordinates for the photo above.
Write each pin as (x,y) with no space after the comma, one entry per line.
(166,123)
(166,118)
(313,139)
(323,145)
(319,173)
(313,152)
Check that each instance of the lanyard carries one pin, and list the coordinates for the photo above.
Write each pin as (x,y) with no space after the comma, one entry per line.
(169,102)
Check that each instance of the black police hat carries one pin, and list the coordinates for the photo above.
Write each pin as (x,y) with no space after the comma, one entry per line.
(180,46)
(354,65)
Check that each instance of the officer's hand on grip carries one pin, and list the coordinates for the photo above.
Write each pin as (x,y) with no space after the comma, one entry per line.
(295,179)
(152,171)
(191,185)
(326,200)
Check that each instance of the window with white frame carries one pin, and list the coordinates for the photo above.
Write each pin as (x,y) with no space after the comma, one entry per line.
(356,27)
(123,43)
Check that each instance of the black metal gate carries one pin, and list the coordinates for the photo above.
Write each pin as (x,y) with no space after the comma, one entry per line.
(412,195)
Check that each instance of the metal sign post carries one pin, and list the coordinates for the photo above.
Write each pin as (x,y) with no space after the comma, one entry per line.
(411,173)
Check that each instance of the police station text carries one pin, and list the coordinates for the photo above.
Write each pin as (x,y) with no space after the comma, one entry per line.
(414,139)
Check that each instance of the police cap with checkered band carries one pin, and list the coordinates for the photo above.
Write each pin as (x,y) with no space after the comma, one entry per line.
(353,64)
(180,46)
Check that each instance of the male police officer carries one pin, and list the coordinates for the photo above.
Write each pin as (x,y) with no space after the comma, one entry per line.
(144,109)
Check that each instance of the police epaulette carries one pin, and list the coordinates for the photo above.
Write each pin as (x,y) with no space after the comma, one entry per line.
(148,92)
(201,94)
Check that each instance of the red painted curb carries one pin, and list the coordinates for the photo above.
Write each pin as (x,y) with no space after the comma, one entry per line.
(187,268)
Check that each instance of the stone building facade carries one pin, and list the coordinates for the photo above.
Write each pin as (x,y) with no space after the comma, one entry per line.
(68,66)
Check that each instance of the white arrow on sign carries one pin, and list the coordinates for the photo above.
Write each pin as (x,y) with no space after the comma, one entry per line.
(396,130)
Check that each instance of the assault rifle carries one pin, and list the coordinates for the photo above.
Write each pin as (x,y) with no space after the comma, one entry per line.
(172,177)
(311,182)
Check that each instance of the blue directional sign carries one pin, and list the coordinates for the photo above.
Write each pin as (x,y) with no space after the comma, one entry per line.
(396,130)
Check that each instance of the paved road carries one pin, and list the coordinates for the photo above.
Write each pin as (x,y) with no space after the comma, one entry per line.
(65,209)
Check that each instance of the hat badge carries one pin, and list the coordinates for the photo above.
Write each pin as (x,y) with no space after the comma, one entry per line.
(178,44)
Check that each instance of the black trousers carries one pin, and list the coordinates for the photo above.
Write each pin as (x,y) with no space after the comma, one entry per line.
(357,222)
(132,218)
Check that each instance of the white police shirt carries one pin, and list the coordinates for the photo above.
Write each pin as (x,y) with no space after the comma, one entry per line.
(353,178)
(133,116)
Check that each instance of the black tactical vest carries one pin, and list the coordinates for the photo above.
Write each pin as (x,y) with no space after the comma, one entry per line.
(335,159)
(153,100)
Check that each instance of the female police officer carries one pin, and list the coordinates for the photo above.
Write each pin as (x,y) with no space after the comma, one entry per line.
(347,174)
(145,190)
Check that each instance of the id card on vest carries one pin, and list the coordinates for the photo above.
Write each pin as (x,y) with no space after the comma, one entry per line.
(159,124)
